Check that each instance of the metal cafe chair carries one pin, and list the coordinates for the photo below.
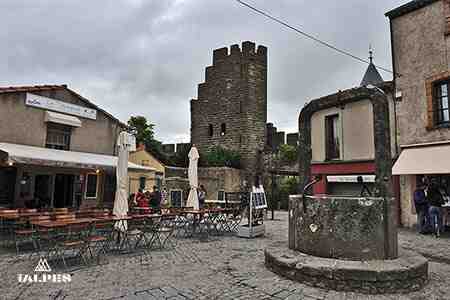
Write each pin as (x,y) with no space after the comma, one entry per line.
(42,236)
(99,241)
(23,234)
(164,231)
(7,226)
(73,243)
(132,235)
(233,220)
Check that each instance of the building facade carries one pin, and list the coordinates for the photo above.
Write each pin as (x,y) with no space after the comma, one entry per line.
(421,58)
(231,108)
(56,148)
(146,180)
(342,137)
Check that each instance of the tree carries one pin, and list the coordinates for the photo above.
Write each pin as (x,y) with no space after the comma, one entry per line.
(288,153)
(142,130)
(144,133)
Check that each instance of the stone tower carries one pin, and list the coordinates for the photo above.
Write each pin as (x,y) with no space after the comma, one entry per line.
(231,109)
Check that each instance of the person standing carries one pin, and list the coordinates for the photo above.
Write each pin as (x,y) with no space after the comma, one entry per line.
(422,207)
(435,201)
(164,197)
(156,199)
(201,196)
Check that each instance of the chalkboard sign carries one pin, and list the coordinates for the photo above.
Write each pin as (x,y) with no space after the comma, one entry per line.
(258,198)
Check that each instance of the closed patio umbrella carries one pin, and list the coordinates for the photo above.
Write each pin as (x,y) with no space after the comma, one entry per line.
(121,199)
(193,179)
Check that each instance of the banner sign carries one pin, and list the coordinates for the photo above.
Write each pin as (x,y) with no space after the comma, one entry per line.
(60,106)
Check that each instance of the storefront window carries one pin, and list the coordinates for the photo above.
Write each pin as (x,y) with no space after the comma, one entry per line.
(91,186)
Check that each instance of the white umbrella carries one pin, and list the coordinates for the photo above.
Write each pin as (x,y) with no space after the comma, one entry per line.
(193,179)
(121,200)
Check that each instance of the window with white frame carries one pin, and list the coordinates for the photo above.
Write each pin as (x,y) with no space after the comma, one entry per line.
(91,185)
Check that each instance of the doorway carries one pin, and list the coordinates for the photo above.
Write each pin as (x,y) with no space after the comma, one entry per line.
(42,186)
(64,190)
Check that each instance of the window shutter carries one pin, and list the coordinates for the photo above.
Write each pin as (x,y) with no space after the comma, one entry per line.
(430,106)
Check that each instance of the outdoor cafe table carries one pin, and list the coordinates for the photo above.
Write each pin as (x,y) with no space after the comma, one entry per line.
(62,223)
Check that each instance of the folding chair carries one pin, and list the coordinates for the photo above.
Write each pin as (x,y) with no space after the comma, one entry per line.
(100,239)
(22,234)
(74,243)
(133,235)
(233,221)
(164,231)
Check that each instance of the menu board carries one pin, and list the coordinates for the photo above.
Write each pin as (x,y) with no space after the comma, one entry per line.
(258,198)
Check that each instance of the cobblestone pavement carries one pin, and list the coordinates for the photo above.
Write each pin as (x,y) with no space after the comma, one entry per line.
(224,267)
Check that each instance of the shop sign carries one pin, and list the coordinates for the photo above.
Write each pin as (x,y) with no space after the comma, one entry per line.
(60,106)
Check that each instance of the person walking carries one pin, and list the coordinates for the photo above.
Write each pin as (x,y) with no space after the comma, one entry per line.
(435,201)
(422,209)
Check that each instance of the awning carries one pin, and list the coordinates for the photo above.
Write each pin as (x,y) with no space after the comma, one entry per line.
(54,117)
(23,154)
(433,159)
(350,178)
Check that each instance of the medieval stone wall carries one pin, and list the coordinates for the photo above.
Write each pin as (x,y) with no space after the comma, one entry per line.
(231,109)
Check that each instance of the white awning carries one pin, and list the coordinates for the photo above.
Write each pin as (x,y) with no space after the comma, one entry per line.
(433,159)
(54,117)
(350,178)
(23,154)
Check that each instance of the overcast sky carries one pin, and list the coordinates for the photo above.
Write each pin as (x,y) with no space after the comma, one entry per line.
(146,57)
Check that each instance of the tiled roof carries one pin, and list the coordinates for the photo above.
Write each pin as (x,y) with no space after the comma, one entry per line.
(47,87)
(408,7)
(31,88)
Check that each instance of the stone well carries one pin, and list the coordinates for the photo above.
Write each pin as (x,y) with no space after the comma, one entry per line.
(346,243)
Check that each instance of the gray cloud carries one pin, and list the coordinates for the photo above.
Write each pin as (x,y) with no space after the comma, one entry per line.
(147,57)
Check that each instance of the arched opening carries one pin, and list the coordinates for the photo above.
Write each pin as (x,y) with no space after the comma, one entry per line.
(223,129)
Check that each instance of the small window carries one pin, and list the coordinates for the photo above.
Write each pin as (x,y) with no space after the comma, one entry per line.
(332,142)
(221,196)
(210,130)
(145,163)
(91,186)
(223,129)
(58,136)
(142,183)
(441,103)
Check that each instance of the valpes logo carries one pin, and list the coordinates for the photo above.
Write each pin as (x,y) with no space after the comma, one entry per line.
(42,274)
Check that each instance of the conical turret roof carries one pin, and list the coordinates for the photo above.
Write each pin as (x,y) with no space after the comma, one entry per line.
(372,76)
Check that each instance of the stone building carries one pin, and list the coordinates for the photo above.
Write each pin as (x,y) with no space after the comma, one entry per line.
(274,137)
(231,108)
(221,184)
(420,39)
(57,148)
(341,135)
